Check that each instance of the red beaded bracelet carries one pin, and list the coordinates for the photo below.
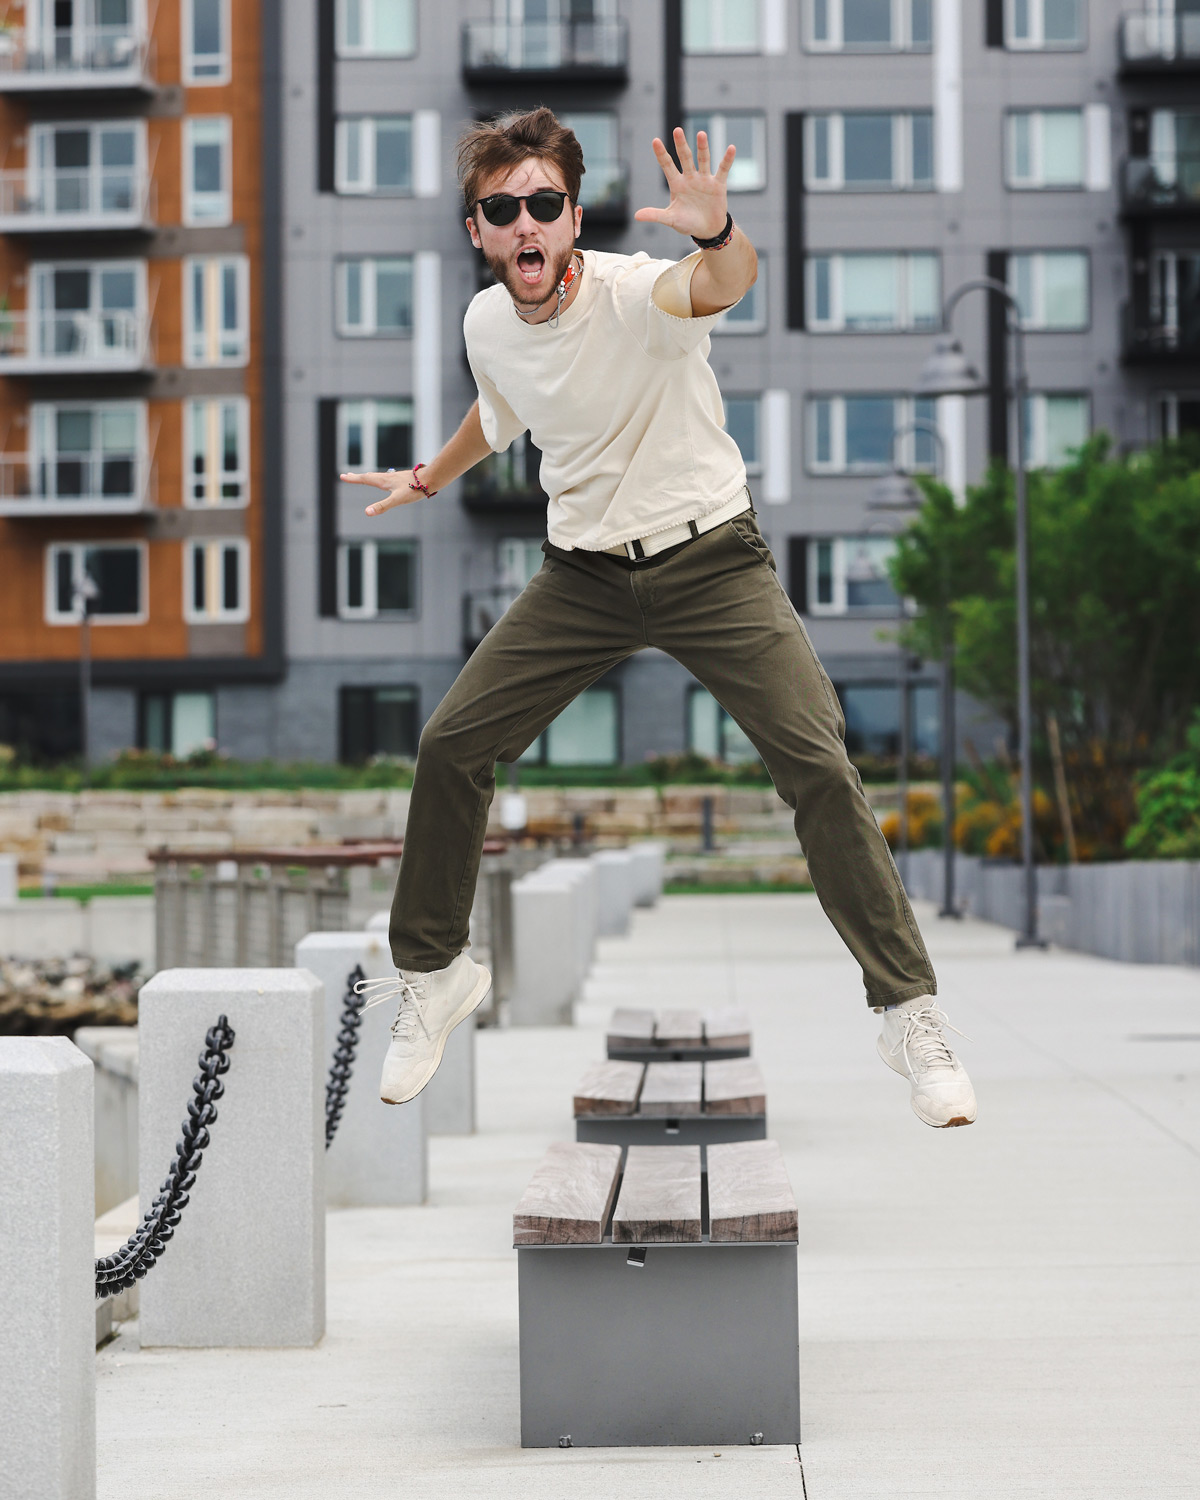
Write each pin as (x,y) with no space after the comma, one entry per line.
(415,484)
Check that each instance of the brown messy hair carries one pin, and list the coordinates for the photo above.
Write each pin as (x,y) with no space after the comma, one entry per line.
(501,144)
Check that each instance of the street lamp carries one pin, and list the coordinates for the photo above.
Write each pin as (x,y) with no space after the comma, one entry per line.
(895,491)
(947,373)
(84,593)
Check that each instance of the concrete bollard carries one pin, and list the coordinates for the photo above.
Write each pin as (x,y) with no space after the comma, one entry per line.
(648,862)
(47,1350)
(379,1155)
(554,932)
(246,1265)
(8,880)
(615,877)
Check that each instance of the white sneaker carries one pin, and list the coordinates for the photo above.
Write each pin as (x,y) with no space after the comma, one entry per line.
(431,1006)
(912,1043)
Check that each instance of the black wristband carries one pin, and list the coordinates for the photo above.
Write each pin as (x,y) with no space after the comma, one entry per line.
(718,241)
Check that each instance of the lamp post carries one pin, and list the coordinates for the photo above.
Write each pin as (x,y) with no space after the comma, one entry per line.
(84,592)
(895,491)
(947,373)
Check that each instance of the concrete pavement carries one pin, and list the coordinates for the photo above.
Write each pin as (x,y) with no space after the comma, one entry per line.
(1000,1311)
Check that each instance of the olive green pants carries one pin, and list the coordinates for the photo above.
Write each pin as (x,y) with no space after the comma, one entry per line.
(716,605)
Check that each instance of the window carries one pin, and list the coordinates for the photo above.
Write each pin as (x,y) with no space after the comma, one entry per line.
(596,131)
(849,573)
(177,724)
(375,297)
(586,733)
(1178,415)
(743,423)
(518,558)
(1052,288)
(217,445)
(1046,148)
(216,310)
(87,169)
(872,712)
(378,721)
(89,450)
(750,314)
(374,435)
(374,154)
(116,570)
(870,293)
(721,26)
(866,152)
(377,578)
(1031,24)
(207,195)
(711,731)
(1054,425)
(870,25)
(216,584)
(89,312)
(206,41)
(857,434)
(376,28)
(1175,299)
(745,130)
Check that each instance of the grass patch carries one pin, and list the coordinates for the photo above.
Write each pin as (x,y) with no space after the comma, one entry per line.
(86,892)
(737,888)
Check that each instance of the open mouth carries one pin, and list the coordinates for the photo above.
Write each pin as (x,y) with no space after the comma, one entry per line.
(531,263)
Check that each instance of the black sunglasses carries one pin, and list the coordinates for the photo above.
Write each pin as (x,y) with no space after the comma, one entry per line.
(502,208)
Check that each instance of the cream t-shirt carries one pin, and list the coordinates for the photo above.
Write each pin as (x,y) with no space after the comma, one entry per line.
(619,397)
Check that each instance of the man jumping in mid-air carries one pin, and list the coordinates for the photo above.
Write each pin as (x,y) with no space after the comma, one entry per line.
(652,541)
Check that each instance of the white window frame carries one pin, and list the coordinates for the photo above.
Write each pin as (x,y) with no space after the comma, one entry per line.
(368,49)
(841,546)
(723,48)
(836,322)
(78,549)
(215,476)
(901,30)
(369,609)
(364,186)
(213,336)
(187,138)
(902,154)
(1035,321)
(37,176)
(904,412)
(718,140)
(1036,183)
(1035,456)
(369,328)
(1036,41)
(41,421)
(224,72)
(757,324)
(370,405)
(213,549)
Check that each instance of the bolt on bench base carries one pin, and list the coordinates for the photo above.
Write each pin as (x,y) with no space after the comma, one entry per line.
(659,1130)
(684,1345)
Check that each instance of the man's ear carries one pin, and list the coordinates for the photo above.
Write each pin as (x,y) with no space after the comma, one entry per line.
(578,219)
(474,233)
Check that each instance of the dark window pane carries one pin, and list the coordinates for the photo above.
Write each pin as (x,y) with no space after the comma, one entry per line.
(872,713)
(356,725)
(867,148)
(922,147)
(231,578)
(393,445)
(71,148)
(116,477)
(116,148)
(70,478)
(869,423)
(866,22)
(198,571)
(393,155)
(206,168)
(395,721)
(156,722)
(64,582)
(117,572)
(72,291)
(354,577)
(206,26)
(393,295)
(1189,415)
(394,576)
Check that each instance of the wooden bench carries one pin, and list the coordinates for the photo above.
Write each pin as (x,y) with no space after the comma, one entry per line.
(678,1035)
(671,1103)
(658,1298)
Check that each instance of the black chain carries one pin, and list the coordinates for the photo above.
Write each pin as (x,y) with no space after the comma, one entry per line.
(114,1273)
(343,1054)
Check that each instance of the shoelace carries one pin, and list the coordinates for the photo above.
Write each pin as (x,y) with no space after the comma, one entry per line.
(411,992)
(923,1032)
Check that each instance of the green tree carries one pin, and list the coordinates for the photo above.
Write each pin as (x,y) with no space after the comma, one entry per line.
(1114,564)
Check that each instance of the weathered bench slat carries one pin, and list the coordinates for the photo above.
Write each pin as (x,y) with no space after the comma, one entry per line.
(660,1196)
(727,1029)
(629,1026)
(672,1088)
(609,1088)
(749,1194)
(569,1196)
(679,1028)
(734,1088)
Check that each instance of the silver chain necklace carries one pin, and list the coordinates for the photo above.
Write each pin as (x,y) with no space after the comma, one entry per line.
(560,291)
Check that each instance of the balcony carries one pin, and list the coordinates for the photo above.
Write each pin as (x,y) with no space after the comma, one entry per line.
(77,60)
(74,343)
(75,484)
(506,483)
(604,194)
(1160,187)
(1161,341)
(481,609)
(545,52)
(89,200)
(1159,45)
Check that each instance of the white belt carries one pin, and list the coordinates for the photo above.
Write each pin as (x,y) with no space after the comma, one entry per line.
(647,546)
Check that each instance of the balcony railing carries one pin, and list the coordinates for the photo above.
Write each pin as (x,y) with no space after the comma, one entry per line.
(1161,185)
(61,343)
(562,51)
(1147,338)
(1160,44)
(604,192)
(75,484)
(481,609)
(78,58)
(506,482)
(91,199)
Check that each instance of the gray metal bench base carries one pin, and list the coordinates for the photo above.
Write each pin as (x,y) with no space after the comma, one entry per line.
(676,1130)
(651,1053)
(698,1346)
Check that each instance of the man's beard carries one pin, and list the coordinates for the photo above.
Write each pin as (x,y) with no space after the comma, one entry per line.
(509,277)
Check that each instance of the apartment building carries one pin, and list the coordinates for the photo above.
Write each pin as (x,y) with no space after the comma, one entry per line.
(136,371)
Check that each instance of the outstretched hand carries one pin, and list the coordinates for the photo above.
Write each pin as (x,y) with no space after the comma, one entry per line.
(698,204)
(397,483)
